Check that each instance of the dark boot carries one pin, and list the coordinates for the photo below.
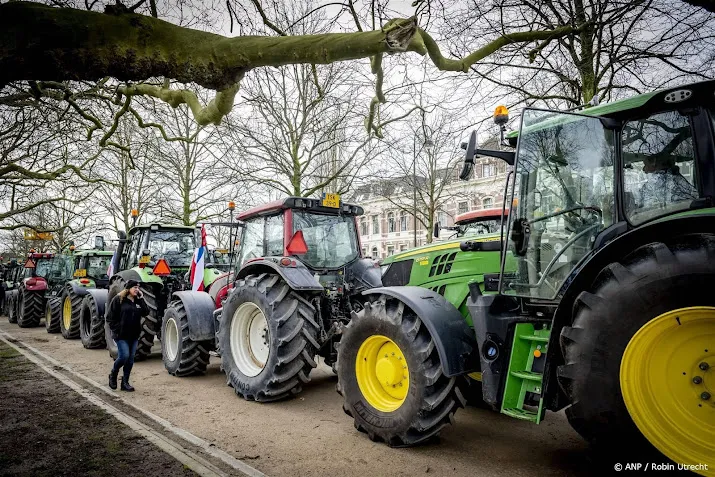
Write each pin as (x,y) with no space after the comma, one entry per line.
(113,380)
(125,384)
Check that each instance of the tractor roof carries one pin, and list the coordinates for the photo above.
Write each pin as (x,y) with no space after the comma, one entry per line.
(92,253)
(647,103)
(40,255)
(302,203)
(479,215)
(162,227)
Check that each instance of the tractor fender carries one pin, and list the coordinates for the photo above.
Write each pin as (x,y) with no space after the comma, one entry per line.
(199,311)
(453,338)
(40,284)
(76,288)
(609,250)
(297,276)
(366,273)
(126,275)
(100,298)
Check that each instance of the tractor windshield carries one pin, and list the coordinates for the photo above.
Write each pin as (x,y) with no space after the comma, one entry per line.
(174,246)
(42,269)
(97,266)
(564,183)
(332,239)
(482,227)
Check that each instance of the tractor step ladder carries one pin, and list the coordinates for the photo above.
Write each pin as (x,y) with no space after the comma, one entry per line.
(528,348)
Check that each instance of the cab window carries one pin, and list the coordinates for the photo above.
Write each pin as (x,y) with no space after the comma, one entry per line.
(660,171)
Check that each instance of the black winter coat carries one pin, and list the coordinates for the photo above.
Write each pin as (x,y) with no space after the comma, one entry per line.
(124,317)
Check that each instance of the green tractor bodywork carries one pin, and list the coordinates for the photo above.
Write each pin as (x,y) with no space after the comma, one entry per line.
(11,272)
(445,268)
(159,257)
(604,304)
(88,271)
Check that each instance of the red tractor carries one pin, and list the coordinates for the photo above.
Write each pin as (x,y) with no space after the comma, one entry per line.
(298,279)
(31,299)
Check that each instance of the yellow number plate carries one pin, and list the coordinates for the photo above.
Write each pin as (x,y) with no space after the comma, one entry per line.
(144,259)
(80,273)
(331,200)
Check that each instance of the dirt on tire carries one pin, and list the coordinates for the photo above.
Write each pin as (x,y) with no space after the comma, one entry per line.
(46,429)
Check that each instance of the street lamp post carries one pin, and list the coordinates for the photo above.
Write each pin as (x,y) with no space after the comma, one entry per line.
(426,144)
(414,190)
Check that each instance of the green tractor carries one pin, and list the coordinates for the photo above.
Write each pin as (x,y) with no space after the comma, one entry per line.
(449,267)
(475,222)
(89,272)
(9,283)
(159,257)
(604,303)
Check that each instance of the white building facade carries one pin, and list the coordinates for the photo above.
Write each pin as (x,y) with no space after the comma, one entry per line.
(386,229)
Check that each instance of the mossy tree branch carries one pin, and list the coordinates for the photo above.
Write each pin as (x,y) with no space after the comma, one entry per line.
(67,44)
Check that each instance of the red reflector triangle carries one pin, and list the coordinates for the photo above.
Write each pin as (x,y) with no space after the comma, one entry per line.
(297,245)
(161,268)
(29,263)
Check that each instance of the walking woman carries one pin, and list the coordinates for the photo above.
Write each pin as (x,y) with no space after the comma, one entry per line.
(124,319)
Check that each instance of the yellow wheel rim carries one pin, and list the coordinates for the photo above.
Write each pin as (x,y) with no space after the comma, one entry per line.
(668,385)
(382,373)
(67,313)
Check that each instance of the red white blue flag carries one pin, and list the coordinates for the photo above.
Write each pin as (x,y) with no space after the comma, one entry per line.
(110,268)
(196,274)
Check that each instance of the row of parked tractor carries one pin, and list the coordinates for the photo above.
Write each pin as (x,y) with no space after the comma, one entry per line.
(575,295)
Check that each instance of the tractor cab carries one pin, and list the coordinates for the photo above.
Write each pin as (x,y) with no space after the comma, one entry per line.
(90,267)
(10,274)
(39,265)
(475,222)
(159,250)
(320,235)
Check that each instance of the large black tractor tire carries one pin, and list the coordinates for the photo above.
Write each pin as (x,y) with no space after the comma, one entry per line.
(91,323)
(652,280)
(431,398)
(11,299)
(151,323)
(290,335)
(182,356)
(53,315)
(71,308)
(31,308)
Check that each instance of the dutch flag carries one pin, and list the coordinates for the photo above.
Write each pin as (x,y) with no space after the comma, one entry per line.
(196,274)
(110,269)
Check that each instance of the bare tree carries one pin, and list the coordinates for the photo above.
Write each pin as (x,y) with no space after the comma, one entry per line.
(420,171)
(614,47)
(189,179)
(299,133)
(38,148)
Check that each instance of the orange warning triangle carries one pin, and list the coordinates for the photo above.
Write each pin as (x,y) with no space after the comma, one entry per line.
(161,268)
(30,263)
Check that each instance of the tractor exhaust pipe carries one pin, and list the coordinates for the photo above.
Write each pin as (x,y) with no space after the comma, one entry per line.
(120,248)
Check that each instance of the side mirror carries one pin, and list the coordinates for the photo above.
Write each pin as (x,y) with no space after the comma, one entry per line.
(99,242)
(436,229)
(122,235)
(469,157)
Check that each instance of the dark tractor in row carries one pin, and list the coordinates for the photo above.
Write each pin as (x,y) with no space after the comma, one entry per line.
(299,280)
